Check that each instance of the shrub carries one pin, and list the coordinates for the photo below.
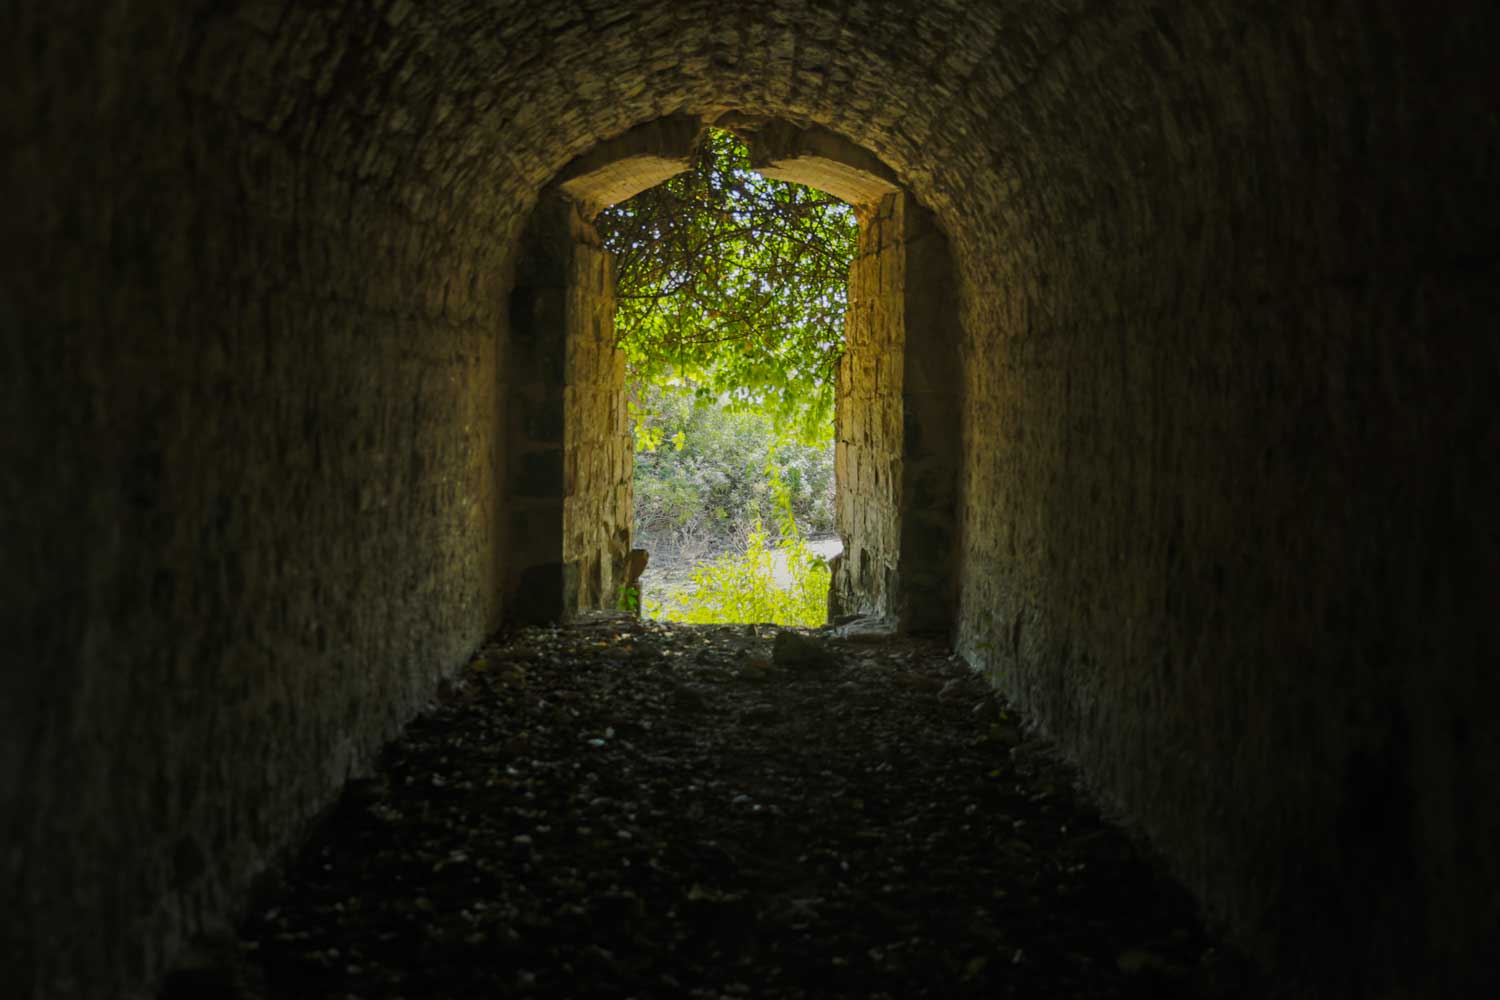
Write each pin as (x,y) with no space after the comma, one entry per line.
(701,472)
(743,588)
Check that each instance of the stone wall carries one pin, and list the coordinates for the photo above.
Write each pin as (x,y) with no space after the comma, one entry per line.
(536,370)
(1230,424)
(599,450)
(570,442)
(896,441)
(248,504)
(931,440)
(867,435)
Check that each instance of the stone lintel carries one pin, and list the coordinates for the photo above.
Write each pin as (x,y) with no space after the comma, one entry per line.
(620,168)
(814,156)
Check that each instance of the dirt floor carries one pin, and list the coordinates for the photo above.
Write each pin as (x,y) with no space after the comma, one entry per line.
(628,809)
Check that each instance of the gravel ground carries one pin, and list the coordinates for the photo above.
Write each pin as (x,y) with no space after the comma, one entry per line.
(628,809)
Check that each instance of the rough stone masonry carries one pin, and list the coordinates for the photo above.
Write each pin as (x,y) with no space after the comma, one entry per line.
(1226,289)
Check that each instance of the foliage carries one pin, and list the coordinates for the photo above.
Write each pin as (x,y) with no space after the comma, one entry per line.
(627,598)
(735,285)
(743,588)
(700,475)
(731,303)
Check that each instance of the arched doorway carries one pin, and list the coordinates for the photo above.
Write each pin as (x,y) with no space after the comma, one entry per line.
(897,437)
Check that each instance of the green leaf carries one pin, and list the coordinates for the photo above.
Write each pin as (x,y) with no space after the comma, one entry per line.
(736,283)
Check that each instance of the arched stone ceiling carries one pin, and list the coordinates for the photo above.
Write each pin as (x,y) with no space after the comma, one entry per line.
(482,102)
(647,155)
(1012,122)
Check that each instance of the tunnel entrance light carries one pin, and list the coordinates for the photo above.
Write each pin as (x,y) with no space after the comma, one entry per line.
(730,307)
(742,333)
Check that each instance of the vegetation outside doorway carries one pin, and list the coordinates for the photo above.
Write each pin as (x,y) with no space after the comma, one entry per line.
(731,299)
(571,450)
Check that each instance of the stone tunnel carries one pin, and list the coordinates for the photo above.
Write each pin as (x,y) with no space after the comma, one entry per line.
(1171,399)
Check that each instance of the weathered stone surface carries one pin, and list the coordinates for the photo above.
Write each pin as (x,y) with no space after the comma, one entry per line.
(1216,420)
(534,432)
(897,440)
(597,499)
(572,465)
(868,426)
(623,167)
(931,435)
(1227,283)
(865,630)
(815,157)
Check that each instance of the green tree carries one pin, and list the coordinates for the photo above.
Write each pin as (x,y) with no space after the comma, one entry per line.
(736,286)
(705,473)
(745,587)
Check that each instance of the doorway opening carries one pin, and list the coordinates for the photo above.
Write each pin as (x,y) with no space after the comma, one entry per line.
(572,447)
(730,303)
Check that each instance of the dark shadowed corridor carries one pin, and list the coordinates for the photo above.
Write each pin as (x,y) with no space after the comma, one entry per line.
(627,810)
